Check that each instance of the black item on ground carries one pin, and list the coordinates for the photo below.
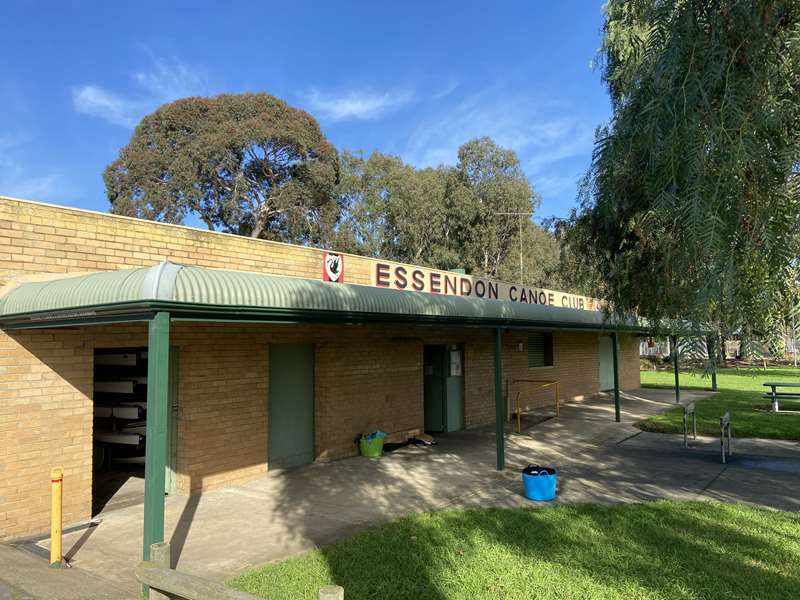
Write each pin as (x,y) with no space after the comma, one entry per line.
(409,442)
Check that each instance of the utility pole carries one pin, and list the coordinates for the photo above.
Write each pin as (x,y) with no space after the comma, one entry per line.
(520,215)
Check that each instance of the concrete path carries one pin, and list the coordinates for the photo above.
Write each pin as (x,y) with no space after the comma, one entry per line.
(221,533)
(24,576)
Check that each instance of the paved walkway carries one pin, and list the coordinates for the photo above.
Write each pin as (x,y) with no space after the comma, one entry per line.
(221,533)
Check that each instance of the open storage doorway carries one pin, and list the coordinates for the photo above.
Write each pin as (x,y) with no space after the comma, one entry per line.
(120,428)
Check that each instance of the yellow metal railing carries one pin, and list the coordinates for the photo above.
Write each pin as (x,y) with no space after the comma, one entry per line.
(542,383)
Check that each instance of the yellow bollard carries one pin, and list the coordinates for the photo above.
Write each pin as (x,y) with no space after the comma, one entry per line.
(56,481)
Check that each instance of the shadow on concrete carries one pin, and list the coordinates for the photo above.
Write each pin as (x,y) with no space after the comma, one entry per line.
(79,543)
(286,513)
(182,527)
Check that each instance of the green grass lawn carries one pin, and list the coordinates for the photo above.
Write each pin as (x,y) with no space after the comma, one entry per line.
(662,550)
(740,392)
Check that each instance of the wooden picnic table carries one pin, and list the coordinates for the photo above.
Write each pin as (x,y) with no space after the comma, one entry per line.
(775,395)
(543,383)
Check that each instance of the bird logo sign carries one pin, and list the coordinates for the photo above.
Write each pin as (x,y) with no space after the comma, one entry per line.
(333,269)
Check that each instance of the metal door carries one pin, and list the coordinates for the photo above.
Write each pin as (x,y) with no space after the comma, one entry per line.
(605,350)
(435,389)
(454,393)
(291,405)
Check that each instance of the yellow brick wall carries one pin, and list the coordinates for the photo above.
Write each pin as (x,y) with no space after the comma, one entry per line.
(366,381)
(366,378)
(575,365)
(222,405)
(39,238)
(629,376)
(45,421)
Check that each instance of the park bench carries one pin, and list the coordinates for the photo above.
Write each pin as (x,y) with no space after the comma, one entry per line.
(775,395)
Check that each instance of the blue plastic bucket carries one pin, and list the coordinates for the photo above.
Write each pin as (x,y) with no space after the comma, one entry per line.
(539,483)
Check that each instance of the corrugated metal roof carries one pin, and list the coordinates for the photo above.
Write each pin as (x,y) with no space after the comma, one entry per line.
(72,292)
(196,286)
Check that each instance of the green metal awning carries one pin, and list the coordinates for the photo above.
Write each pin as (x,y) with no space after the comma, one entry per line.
(196,293)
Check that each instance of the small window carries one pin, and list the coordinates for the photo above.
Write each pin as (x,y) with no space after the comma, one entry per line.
(540,349)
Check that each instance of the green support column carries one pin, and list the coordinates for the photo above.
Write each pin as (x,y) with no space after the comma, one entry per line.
(498,399)
(156,440)
(675,355)
(615,360)
(712,360)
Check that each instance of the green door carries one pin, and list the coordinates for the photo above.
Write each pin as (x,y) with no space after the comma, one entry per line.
(291,405)
(454,393)
(605,349)
(435,387)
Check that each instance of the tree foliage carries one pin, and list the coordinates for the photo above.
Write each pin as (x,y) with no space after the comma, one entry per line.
(244,163)
(446,217)
(501,194)
(252,165)
(691,206)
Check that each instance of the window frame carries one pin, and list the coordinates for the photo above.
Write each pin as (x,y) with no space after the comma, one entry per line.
(548,350)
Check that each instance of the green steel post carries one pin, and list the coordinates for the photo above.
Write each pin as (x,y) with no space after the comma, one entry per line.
(712,360)
(615,360)
(675,354)
(156,440)
(498,399)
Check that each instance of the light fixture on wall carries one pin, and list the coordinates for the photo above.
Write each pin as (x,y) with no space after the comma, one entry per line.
(520,346)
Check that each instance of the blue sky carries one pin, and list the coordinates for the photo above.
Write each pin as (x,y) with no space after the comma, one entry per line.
(412,78)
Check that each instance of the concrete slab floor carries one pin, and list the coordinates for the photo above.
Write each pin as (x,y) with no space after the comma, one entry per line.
(224,532)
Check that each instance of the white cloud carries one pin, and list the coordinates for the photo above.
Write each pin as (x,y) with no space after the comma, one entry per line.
(540,133)
(18,182)
(556,185)
(354,104)
(553,141)
(165,81)
(95,101)
(170,79)
(445,90)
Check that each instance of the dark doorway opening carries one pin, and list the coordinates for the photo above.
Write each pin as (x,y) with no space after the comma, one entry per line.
(120,413)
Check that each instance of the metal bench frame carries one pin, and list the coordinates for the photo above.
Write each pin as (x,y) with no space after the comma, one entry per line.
(725,428)
(775,395)
(689,410)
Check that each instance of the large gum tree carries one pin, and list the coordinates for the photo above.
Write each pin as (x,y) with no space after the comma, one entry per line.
(248,164)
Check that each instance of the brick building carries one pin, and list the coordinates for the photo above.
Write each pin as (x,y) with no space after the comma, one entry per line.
(229,356)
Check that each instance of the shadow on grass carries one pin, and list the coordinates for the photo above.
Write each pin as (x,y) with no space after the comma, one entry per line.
(661,549)
(741,392)
(651,550)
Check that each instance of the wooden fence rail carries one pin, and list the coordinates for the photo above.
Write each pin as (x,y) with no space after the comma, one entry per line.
(167,583)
